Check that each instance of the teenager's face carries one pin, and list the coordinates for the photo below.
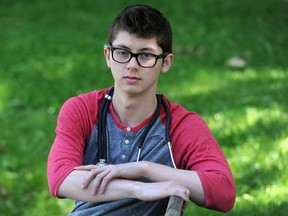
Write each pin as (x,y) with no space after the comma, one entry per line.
(130,77)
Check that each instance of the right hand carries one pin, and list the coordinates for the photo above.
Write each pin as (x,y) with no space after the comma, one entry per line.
(101,176)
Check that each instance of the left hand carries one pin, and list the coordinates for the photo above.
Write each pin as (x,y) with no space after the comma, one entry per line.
(102,175)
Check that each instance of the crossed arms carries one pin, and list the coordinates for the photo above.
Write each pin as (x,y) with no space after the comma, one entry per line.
(113,182)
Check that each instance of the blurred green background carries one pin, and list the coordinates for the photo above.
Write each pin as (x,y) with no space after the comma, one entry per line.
(52,50)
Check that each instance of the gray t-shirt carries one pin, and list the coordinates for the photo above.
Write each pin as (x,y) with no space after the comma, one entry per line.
(123,148)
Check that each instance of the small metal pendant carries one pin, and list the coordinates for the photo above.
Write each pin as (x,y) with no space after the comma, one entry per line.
(101,163)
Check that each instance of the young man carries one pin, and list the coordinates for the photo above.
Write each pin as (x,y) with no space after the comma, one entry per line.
(112,151)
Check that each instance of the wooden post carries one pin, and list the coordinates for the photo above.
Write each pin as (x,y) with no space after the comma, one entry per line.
(175,206)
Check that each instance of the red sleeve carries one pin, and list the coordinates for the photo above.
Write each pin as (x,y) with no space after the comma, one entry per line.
(195,148)
(74,127)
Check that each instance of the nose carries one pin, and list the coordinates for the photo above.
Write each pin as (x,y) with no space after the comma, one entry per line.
(133,64)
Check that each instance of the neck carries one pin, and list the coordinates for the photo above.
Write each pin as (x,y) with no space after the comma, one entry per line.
(132,111)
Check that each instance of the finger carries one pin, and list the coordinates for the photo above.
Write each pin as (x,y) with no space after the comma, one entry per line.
(184,194)
(98,181)
(85,167)
(92,174)
(105,182)
(112,173)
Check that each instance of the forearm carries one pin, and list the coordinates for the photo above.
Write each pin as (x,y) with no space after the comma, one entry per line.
(116,189)
(219,187)
(189,179)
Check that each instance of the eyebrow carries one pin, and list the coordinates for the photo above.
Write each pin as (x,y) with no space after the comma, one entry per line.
(141,50)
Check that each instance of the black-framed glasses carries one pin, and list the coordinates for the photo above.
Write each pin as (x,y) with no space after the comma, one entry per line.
(146,60)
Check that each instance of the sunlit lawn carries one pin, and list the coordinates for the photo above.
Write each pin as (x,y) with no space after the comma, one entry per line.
(52,50)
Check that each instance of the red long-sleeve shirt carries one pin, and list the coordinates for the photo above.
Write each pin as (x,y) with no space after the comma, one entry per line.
(193,145)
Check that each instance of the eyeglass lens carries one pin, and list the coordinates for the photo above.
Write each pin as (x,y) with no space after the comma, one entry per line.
(143,59)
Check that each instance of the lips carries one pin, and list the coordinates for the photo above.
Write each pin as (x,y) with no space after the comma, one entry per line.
(131,79)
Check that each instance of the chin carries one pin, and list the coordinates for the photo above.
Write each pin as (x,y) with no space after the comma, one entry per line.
(132,90)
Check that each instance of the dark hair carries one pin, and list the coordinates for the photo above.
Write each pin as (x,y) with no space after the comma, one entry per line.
(144,21)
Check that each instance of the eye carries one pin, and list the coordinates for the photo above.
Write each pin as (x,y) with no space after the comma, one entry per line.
(122,53)
(146,56)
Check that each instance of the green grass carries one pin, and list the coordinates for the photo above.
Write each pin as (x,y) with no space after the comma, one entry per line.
(52,50)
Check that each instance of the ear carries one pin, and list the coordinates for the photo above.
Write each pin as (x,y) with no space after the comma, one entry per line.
(167,62)
(107,56)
